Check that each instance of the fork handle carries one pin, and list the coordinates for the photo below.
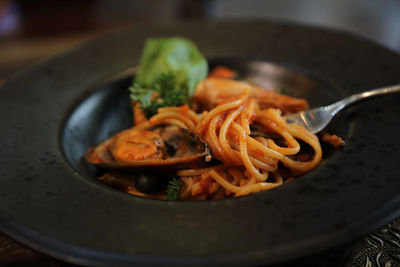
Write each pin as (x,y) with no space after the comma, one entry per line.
(337,106)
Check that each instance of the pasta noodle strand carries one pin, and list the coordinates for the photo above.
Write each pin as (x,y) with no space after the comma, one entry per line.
(247,161)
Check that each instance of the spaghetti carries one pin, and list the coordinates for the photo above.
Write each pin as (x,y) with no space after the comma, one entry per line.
(253,148)
(249,161)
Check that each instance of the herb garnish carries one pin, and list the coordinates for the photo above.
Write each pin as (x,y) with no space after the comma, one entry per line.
(173,189)
(164,92)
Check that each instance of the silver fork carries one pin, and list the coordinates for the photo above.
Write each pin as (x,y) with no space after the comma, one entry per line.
(316,119)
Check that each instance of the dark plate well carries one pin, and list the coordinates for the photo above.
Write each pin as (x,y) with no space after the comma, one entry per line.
(107,110)
(51,112)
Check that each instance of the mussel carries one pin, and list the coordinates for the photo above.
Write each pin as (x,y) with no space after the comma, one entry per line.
(165,147)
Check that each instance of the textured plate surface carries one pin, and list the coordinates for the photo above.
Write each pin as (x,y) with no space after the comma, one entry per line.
(48,204)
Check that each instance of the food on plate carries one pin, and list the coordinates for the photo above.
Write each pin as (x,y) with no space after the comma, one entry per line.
(332,139)
(200,135)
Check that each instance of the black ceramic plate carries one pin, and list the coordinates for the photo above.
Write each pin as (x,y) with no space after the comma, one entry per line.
(51,112)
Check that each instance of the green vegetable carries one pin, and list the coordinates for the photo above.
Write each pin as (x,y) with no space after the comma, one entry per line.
(177,55)
(170,67)
(164,92)
(173,189)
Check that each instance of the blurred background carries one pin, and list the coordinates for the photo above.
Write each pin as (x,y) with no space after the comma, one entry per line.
(31,30)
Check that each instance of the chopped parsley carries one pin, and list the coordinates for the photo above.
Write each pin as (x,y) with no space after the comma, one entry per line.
(174,188)
(163,92)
